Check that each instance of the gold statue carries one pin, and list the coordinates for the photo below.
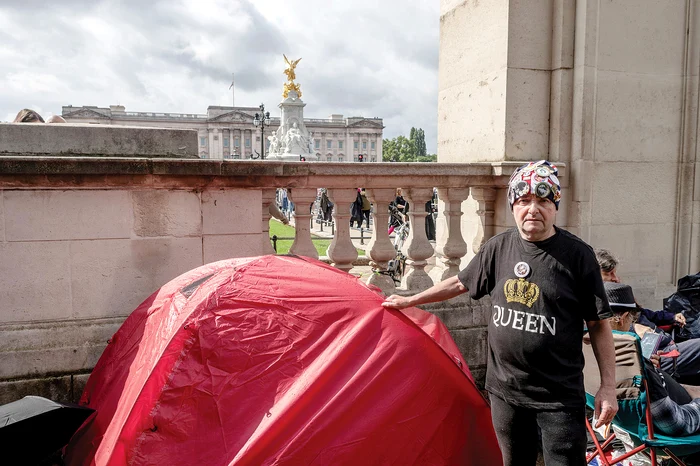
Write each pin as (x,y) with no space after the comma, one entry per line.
(291,76)
(290,85)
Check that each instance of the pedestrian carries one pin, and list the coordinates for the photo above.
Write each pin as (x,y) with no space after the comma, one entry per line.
(356,210)
(366,207)
(544,283)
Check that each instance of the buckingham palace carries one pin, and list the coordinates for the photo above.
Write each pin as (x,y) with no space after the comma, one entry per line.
(229,133)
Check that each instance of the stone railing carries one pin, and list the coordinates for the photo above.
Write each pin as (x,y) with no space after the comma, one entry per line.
(84,240)
(455,183)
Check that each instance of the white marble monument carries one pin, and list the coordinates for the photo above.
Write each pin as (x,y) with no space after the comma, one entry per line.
(292,141)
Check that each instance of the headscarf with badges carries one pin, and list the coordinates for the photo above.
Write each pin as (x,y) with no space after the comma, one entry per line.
(538,178)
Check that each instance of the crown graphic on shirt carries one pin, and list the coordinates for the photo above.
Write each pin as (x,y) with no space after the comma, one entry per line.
(520,291)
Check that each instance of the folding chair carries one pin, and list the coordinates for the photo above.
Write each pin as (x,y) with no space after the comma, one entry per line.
(634,414)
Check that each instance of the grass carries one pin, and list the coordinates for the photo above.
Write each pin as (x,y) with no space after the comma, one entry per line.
(287,231)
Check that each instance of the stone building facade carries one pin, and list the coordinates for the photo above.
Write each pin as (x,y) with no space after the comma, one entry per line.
(229,133)
(609,88)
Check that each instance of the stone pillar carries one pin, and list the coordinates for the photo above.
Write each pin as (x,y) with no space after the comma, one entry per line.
(417,247)
(380,250)
(245,150)
(342,251)
(348,146)
(450,244)
(268,197)
(302,245)
(485,198)
(495,59)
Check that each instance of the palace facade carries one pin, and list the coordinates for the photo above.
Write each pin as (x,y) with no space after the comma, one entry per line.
(229,133)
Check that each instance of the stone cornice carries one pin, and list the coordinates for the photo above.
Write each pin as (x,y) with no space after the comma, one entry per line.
(105,172)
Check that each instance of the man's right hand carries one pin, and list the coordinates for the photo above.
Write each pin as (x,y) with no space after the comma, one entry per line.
(396,302)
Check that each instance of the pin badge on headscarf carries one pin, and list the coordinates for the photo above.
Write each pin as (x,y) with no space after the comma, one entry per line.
(522,269)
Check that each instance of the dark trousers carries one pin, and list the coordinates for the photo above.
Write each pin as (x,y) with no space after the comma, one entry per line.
(563,434)
(365,215)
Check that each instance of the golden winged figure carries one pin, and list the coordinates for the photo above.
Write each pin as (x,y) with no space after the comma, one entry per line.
(291,76)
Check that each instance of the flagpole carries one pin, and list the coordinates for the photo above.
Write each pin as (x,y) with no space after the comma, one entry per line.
(233,89)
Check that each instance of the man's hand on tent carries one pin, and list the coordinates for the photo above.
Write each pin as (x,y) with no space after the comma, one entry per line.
(605,406)
(396,302)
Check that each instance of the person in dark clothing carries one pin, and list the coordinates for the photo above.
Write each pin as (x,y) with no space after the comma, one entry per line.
(366,207)
(543,282)
(429,219)
(402,207)
(673,409)
(685,367)
(608,270)
(326,206)
(356,210)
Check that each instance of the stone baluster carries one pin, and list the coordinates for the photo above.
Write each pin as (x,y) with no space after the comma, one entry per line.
(485,198)
(450,245)
(268,198)
(341,251)
(302,199)
(417,247)
(380,250)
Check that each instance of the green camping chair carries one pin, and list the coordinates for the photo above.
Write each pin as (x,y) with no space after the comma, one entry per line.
(634,414)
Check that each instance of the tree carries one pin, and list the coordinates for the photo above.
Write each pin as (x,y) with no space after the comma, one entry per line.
(411,149)
(421,150)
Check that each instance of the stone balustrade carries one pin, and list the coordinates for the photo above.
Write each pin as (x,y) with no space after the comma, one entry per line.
(83,240)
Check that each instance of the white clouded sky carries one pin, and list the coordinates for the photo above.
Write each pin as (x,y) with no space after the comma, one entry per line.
(375,58)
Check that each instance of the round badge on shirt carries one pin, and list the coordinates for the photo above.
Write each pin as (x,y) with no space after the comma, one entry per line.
(522,269)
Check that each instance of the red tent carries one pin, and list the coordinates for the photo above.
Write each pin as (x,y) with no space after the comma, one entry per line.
(281,360)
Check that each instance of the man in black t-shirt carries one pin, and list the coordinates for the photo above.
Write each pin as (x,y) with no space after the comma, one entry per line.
(543,282)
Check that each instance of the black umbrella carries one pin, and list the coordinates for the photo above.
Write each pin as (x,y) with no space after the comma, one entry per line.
(33,428)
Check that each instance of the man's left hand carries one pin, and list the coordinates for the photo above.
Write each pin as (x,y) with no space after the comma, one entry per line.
(605,406)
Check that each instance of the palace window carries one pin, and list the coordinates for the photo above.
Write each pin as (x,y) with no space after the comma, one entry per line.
(317,143)
(356,144)
(364,145)
(203,141)
(329,144)
(236,143)
(247,142)
(341,159)
(373,145)
(225,142)
(340,144)
(329,158)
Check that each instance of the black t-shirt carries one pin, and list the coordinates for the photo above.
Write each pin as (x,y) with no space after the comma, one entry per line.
(541,294)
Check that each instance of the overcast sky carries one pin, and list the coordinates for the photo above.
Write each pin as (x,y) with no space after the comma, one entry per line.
(374,58)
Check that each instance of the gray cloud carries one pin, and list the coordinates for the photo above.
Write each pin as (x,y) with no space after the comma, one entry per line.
(362,58)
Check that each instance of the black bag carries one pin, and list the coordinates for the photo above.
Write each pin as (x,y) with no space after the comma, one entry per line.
(686,300)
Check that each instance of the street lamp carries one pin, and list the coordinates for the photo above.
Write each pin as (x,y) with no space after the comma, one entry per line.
(262,119)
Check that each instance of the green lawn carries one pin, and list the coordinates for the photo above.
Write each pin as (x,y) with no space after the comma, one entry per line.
(287,231)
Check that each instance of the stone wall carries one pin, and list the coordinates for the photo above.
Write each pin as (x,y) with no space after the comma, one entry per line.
(75,263)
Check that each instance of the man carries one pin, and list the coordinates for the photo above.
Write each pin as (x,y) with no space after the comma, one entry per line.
(543,282)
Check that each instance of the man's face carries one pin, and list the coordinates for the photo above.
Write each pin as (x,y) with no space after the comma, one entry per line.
(535,217)
(610,276)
